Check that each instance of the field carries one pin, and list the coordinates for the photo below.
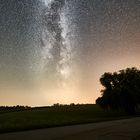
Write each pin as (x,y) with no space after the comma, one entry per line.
(45,117)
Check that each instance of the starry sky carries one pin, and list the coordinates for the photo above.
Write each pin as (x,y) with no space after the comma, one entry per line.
(54,51)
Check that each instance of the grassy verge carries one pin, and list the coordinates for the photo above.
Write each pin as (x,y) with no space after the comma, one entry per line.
(55,116)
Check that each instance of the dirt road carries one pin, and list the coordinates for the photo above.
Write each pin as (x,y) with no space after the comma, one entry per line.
(128,129)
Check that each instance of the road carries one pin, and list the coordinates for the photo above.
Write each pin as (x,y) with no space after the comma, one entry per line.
(127,129)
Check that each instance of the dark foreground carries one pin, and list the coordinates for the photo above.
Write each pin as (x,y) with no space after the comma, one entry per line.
(127,129)
(45,117)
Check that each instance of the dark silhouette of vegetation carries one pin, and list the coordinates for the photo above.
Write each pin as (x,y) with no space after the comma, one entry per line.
(52,116)
(4,109)
(121,90)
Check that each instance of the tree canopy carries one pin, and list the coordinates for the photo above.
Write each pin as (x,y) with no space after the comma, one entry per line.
(121,90)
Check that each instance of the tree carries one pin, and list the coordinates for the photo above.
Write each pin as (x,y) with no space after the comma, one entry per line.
(121,90)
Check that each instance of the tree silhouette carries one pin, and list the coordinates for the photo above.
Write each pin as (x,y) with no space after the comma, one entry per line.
(121,90)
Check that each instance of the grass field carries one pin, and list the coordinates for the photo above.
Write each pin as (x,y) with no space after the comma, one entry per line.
(54,116)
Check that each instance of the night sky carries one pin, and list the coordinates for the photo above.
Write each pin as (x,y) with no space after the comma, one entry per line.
(54,51)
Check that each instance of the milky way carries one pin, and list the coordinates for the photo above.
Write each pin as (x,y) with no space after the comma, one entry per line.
(66,45)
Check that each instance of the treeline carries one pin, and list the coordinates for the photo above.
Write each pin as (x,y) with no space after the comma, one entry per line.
(121,90)
(71,104)
(13,108)
(4,109)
